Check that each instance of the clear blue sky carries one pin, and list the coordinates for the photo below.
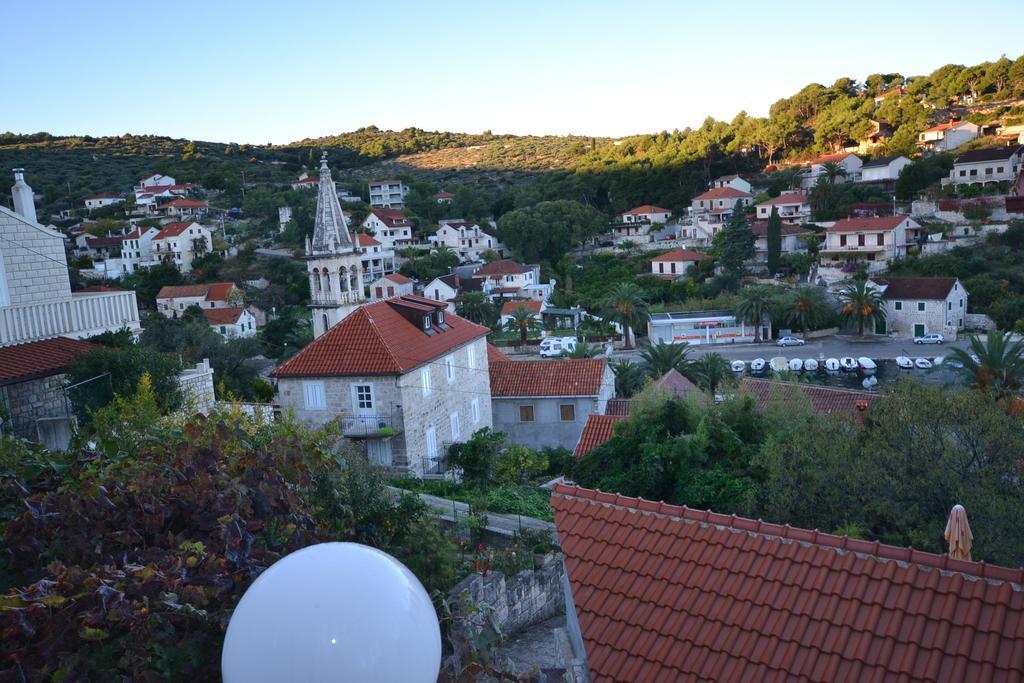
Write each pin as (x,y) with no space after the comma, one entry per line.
(280,71)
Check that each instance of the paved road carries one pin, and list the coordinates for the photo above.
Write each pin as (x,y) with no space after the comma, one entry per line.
(826,347)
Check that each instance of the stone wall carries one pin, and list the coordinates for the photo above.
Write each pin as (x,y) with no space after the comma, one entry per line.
(196,386)
(979,321)
(32,262)
(511,603)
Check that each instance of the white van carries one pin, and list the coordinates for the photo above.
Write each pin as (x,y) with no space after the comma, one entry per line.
(552,347)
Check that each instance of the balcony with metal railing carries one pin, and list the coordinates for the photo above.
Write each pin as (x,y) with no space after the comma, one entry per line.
(81,316)
(333,299)
(371,426)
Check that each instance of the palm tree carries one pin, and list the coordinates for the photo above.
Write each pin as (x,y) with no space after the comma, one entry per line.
(626,306)
(660,357)
(523,321)
(754,305)
(583,350)
(1000,364)
(832,171)
(711,371)
(862,302)
(472,306)
(805,308)
(629,377)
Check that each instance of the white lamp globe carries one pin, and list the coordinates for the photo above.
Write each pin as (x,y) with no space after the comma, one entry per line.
(333,612)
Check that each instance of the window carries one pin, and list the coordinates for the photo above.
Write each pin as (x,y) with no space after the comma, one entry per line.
(470,357)
(449,368)
(475,410)
(860,240)
(362,397)
(567,412)
(898,305)
(842,240)
(963,173)
(526,413)
(961,303)
(454,419)
(949,305)
(426,323)
(880,239)
(440,318)
(425,380)
(920,306)
(223,329)
(313,396)
(431,435)
(661,267)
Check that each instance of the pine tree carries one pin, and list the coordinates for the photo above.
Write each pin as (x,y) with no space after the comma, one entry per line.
(774,241)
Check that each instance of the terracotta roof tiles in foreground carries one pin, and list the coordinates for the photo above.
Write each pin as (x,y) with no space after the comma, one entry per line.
(381,339)
(667,593)
(823,400)
(22,362)
(566,377)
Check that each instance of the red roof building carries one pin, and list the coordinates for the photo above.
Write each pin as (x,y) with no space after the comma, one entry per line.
(722,193)
(173,229)
(385,337)
(785,199)
(392,218)
(223,316)
(44,358)
(822,400)
(530,378)
(213,291)
(667,593)
(646,209)
(916,288)
(599,428)
(510,307)
(397,278)
(500,268)
(867,224)
(680,255)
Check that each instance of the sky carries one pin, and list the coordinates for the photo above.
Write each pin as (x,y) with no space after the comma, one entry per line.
(258,72)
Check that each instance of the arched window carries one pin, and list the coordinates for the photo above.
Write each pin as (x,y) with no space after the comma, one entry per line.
(327,325)
(353,282)
(343,278)
(327,281)
(316,279)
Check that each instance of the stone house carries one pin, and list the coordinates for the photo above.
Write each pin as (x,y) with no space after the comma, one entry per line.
(172,300)
(232,322)
(402,376)
(391,285)
(541,403)
(916,306)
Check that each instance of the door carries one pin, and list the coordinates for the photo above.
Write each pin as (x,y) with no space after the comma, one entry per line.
(879,327)
(378,452)
(918,330)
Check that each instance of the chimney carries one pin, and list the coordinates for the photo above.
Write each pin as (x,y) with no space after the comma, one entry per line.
(24,200)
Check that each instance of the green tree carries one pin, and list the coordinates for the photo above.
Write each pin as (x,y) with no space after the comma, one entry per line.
(806,308)
(774,239)
(861,302)
(477,458)
(629,377)
(547,231)
(754,305)
(523,321)
(999,366)
(626,305)
(735,244)
(660,357)
(711,371)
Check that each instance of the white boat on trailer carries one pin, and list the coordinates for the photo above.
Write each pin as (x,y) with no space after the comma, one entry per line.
(758,365)
(904,363)
(778,364)
(867,366)
(811,365)
(923,363)
(796,365)
(832,365)
(848,363)
(738,366)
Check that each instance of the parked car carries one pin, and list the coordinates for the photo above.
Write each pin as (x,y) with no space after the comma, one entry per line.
(790,341)
(933,338)
(552,347)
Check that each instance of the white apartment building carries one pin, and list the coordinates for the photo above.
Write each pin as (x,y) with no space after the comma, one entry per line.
(884,169)
(849,162)
(468,240)
(983,166)
(734,181)
(793,207)
(390,227)
(181,243)
(872,241)
(947,136)
(388,194)
(376,260)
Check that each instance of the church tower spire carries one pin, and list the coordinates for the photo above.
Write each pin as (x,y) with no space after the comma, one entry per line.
(333,261)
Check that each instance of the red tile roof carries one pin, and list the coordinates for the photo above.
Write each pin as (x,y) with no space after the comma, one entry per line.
(667,593)
(364,240)
(501,267)
(945,126)
(377,339)
(308,180)
(510,307)
(443,195)
(185,204)
(646,208)
(825,158)
(44,358)
(867,223)
(788,198)
(823,400)
(681,255)
(494,354)
(173,229)
(568,377)
(223,316)
(96,289)
(618,406)
(101,242)
(398,277)
(393,218)
(925,288)
(213,291)
(675,383)
(723,193)
(599,428)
